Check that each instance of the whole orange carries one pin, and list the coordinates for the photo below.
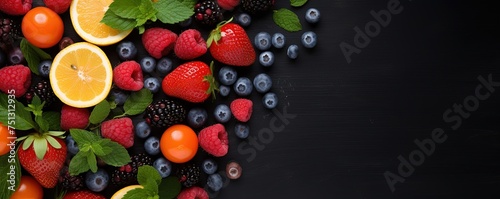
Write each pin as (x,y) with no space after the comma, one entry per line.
(42,27)
(179,143)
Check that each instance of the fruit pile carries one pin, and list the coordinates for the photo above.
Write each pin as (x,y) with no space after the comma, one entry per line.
(142,121)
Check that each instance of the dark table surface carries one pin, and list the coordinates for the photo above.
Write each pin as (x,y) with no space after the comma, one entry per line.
(349,130)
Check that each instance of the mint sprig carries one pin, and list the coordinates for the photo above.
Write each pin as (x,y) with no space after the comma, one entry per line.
(92,147)
(22,117)
(287,20)
(151,182)
(33,55)
(297,3)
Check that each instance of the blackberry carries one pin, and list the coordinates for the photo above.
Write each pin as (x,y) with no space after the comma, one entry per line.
(71,183)
(127,174)
(9,30)
(255,7)
(189,175)
(43,90)
(208,13)
(165,113)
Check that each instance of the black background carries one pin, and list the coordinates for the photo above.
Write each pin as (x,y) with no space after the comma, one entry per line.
(354,120)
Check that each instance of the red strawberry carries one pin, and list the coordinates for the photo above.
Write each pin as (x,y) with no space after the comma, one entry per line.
(242,109)
(84,194)
(128,76)
(191,81)
(120,130)
(45,164)
(15,7)
(158,41)
(193,193)
(72,117)
(229,44)
(58,6)
(228,4)
(190,45)
(213,139)
(16,80)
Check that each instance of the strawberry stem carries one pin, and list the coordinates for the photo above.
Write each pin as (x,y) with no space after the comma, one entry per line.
(215,35)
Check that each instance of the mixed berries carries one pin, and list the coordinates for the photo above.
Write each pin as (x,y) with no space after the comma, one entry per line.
(182,132)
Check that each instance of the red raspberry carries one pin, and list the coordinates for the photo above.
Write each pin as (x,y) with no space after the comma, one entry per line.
(128,76)
(242,109)
(58,6)
(193,193)
(15,7)
(15,79)
(213,139)
(72,117)
(190,45)
(120,130)
(158,41)
(83,194)
(228,4)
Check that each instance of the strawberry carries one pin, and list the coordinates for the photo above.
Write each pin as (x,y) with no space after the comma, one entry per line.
(84,194)
(228,4)
(229,44)
(191,81)
(15,7)
(43,156)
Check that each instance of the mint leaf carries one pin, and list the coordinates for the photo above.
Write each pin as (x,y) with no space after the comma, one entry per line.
(297,3)
(137,193)
(54,120)
(287,20)
(151,187)
(173,11)
(33,55)
(42,123)
(137,102)
(125,8)
(14,113)
(147,12)
(170,187)
(79,163)
(82,137)
(92,162)
(117,22)
(8,187)
(189,3)
(100,112)
(148,172)
(118,155)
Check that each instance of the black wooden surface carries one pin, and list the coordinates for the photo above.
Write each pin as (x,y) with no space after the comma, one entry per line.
(348,123)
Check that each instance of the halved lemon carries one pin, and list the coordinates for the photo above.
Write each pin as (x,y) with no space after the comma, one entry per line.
(81,75)
(86,18)
(120,193)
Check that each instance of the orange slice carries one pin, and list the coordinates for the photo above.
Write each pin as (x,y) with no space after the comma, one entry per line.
(81,75)
(86,18)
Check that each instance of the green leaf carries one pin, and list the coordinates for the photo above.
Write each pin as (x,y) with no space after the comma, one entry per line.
(170,187)
(147,12)
(27,143)
(297,3)
(173,11)
(287,20)
(53,142)
(79,163)
(9,165)
(82,137)
(148,172)
(42,123)
(33,55)
(118,155)
(189,3)
(117,22)
(91,160)
(137,193)
(151,186)
(54,120)
(125,8)
(137,102)
(99,149)
(14,113)
(40,147)
(100,112)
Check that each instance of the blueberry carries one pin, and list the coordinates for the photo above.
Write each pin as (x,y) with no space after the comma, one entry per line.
(244,19)
(293,51)
(163,166)
(241,130)
(44,68)
(309,39)
(262,41)
(278,40)
(215,182)
(126,50)
(262,83)
(312,15)
(266,58)
(227,75)
(270,100)
(164,66)
(97,181)
(243,86)
(224,90)
(186,23)
(118,96)
(152,145)
(16,56)
(153,84)
(71,145)
(148,64)
(142,129)
(197,117)
(209,166)
(222,113)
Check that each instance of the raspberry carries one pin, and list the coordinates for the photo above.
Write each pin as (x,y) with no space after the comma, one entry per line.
(120,130)
(15,7)
(128,76)
(58,6)
(158,41)
(72,117)
(16,80)
(190,45)
(193,193)
(242,109)
(213,139)
(228,4)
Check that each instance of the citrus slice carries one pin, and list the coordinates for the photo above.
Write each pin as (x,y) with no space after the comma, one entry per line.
(86,18)
(120,193)
(81,75)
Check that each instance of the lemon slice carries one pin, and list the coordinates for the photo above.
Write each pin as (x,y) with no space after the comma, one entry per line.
(81,75)
(86,16)
(120,193)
